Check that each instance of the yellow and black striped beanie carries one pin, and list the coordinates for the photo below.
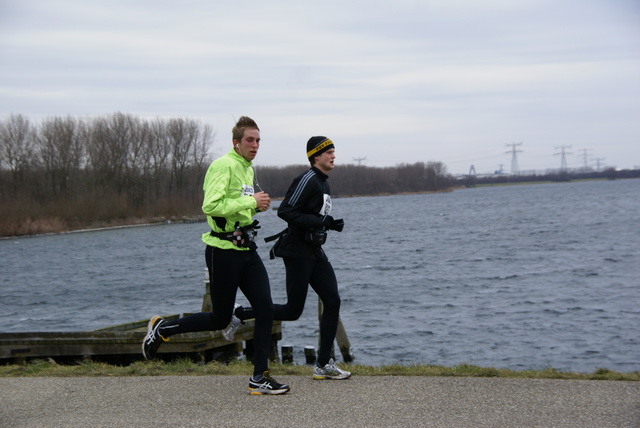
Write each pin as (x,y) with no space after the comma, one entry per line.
(318,145)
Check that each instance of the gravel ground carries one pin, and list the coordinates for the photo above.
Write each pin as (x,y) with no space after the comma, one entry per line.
(362,401)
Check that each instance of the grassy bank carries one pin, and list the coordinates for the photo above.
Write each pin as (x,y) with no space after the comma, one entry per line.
(45,368)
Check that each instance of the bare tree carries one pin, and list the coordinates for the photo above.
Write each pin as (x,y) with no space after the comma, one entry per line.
(61,147)
(180,140)
(17,148)
(108,149)
(189,146)
(437,177)
(159,152)
(200,157)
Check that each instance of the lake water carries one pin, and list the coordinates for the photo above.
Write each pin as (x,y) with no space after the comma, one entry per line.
(519,277)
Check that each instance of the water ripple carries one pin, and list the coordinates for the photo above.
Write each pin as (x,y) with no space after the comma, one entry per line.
(519,277)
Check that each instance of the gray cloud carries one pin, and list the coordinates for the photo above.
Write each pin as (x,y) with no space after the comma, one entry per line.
(398,82)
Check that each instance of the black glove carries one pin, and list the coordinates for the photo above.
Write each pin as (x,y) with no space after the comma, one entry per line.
(327,221)
(337,225)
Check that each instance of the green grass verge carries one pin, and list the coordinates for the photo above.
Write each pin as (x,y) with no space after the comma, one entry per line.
(46,368)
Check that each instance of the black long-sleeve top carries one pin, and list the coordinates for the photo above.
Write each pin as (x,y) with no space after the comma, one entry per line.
(306,205)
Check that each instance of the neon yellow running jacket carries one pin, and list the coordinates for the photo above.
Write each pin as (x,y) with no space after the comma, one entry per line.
(228,190)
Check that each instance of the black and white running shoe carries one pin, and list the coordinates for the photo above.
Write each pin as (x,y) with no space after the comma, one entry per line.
(330,371)
(266,385)
(153,339)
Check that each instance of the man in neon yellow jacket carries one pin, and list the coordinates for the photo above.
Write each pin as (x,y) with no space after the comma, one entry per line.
(232,260)
(229,196)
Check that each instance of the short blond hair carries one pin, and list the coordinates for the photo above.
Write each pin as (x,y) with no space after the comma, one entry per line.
(245,122)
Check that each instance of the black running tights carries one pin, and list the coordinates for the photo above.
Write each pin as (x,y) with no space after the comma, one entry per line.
(320,275)
(230,270)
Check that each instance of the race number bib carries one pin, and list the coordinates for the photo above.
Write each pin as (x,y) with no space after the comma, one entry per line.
(326,205)
(247,190)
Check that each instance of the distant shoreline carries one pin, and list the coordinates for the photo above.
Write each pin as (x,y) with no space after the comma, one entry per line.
(199,218)
(140,222)
(185,220)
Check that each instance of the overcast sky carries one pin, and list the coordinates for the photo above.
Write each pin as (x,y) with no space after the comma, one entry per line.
(402,81)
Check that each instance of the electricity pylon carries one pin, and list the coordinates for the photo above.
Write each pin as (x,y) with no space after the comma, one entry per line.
(563,156)
(515,169)
(359,160)
(585,158)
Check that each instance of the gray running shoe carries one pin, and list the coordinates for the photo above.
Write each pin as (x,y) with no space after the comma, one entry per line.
(266,385)
(330,371)
(229,332)
(153,340)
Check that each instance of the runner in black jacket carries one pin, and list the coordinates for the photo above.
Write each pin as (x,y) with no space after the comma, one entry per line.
(306,208)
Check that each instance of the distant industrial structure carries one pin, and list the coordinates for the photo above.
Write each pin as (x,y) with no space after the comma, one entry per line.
(515,168)
(563,157)
(562,151)
(359,160)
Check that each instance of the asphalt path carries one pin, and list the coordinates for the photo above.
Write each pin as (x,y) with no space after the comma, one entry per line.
(362,401)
